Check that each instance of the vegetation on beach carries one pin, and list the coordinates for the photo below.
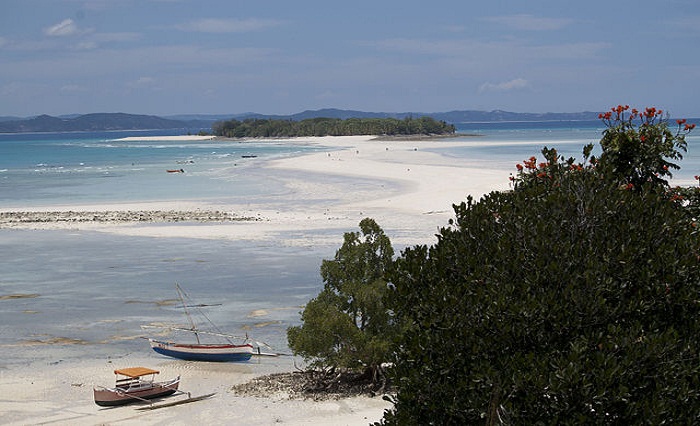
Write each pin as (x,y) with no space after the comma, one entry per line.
(258,128)
(348,325)
(570,299)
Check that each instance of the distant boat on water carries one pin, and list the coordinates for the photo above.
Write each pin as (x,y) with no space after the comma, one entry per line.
(199,351)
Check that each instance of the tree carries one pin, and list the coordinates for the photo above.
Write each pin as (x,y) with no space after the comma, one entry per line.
(571,299)
(641,155)
(348,325)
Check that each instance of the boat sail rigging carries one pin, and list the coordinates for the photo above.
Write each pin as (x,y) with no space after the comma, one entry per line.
(205,351)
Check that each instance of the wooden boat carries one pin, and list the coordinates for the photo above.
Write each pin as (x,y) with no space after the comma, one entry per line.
(204,351)
(214,352)
(175,171)
(133,385)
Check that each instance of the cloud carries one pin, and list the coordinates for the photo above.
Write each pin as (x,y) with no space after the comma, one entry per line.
(227,25)
(141,82)
(530,22)
(64,28)
(506,86)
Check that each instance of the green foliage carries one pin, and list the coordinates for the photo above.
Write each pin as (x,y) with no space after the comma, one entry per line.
(348,325)
(640,155)
(572,299)
(331,127)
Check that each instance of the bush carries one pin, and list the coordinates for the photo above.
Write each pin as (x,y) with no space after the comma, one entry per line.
(348,325)
(571,299)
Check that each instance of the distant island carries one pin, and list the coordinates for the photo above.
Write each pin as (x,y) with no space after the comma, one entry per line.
(121,121)
(322,126)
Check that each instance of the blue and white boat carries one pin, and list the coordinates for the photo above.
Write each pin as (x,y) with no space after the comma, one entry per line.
(214,352)
(204,351)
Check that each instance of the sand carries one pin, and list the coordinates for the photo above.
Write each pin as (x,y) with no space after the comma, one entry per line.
(405,187)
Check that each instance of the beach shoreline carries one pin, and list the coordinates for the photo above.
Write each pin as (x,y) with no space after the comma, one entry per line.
(407,187)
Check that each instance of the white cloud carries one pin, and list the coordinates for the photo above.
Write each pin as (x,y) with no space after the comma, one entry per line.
(515,84)
(64,28)
(141,82)
(530,22)
(227,25)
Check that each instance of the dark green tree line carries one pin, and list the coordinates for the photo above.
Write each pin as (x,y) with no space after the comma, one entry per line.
(331,127)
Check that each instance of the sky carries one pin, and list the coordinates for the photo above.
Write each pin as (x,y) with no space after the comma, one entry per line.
(168,57)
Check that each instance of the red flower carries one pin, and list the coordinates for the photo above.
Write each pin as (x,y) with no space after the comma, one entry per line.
(680,121)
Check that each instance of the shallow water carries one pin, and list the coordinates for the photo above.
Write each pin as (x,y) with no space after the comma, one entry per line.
(80,294)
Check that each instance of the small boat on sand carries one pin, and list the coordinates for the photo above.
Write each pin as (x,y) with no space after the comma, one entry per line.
(175,171)
(133,385)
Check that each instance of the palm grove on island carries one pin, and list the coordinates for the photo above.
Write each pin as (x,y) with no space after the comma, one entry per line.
(573,298)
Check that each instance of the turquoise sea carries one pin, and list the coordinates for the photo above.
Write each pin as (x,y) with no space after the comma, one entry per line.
(86,294)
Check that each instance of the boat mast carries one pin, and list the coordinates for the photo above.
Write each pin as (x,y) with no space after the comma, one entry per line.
(187,312)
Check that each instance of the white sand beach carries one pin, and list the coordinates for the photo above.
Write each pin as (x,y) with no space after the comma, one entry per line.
(406,188)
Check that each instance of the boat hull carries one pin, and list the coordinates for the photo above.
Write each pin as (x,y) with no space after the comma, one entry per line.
(110,397)
(203,352)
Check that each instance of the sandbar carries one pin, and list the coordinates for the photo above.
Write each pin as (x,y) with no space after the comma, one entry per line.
(405,186)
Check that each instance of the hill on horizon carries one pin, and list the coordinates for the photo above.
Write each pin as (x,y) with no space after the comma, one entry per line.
(123,121)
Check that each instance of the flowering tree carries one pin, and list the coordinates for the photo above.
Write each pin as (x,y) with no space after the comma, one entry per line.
(572,299)
(640,147)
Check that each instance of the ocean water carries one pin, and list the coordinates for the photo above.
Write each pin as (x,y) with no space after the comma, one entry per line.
(74,168)
(70,295)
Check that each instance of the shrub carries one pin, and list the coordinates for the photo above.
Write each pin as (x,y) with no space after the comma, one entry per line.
(571,299)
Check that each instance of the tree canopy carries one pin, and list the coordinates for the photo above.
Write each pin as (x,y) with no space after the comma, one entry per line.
(348,324)
(331,127)
(572,299)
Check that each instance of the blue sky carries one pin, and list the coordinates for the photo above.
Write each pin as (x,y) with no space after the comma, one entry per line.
(168,57)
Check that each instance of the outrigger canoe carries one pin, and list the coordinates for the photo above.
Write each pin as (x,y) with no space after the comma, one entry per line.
(203,351)
(200,351)
(133,385)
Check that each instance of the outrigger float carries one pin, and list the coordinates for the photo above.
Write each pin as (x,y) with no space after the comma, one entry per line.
(137,384)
